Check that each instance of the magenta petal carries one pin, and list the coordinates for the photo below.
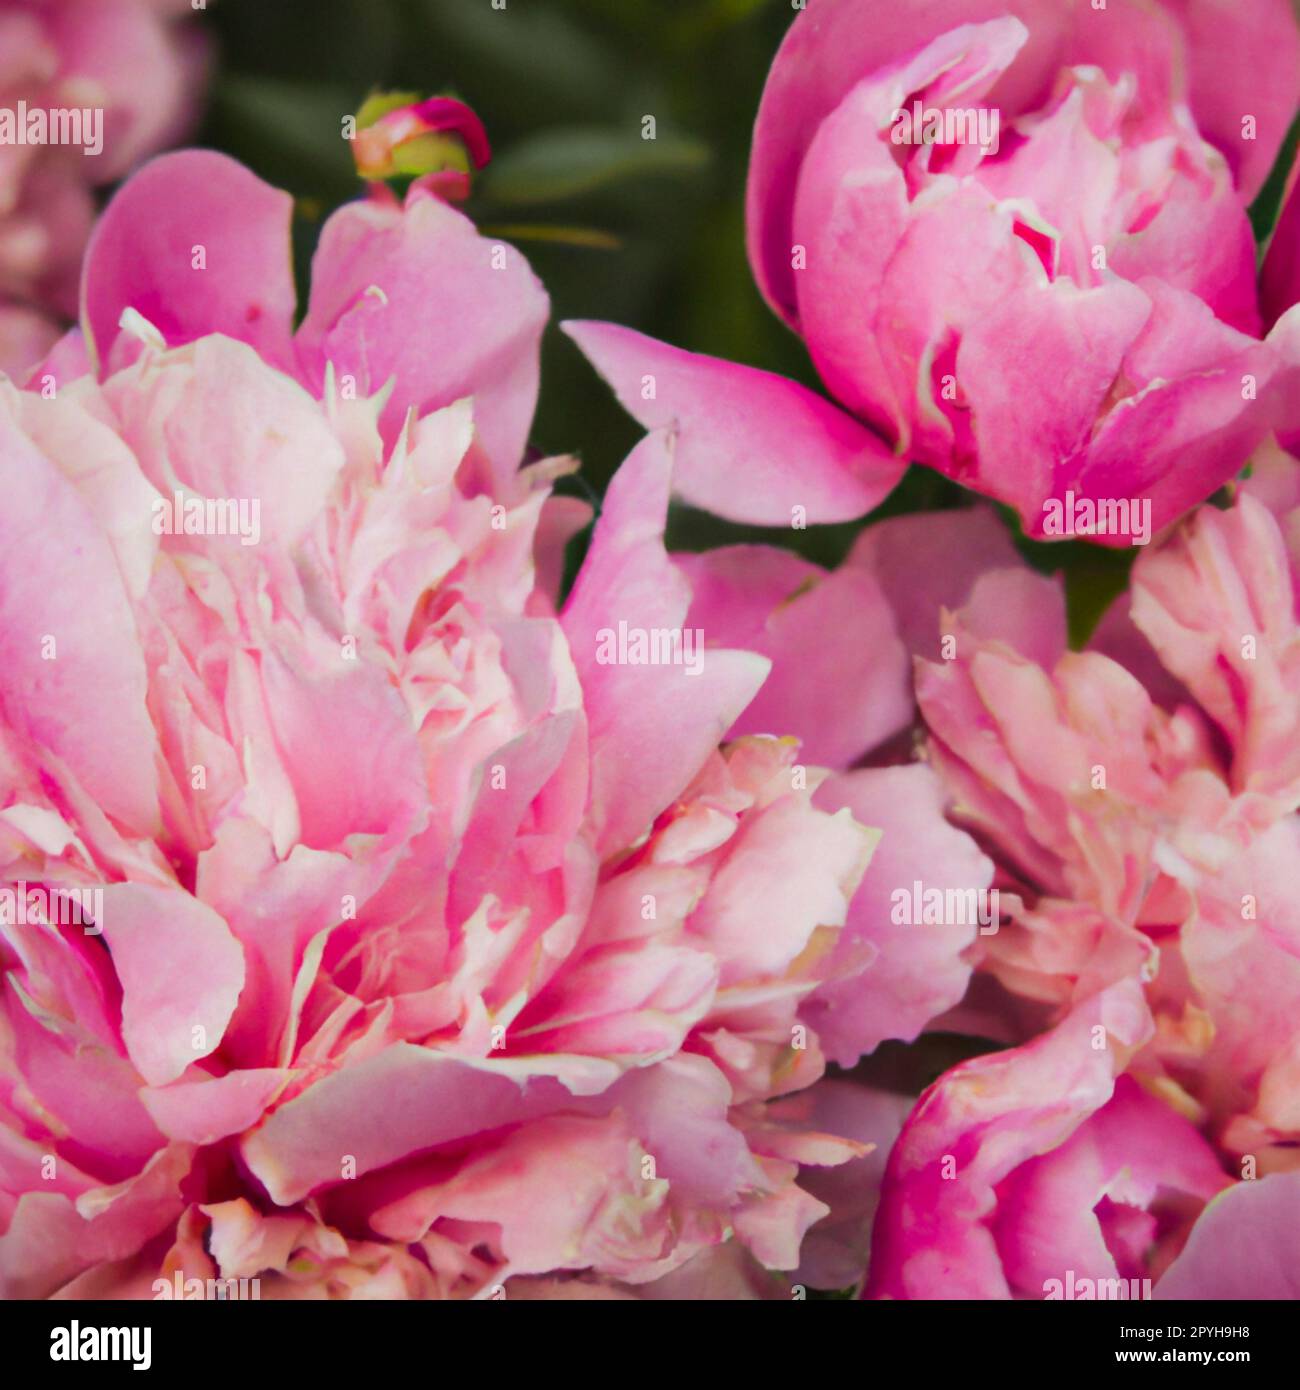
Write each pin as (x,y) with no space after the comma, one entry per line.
(1257,74)
(1079,337)
(852,210)
(446,113)
(833,44)
(986,1117)
(1188,427)
(1280,276)
(752,446)
(1134,1149)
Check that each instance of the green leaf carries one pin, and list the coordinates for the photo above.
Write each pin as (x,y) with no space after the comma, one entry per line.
(581,238)
(1267,207)
(351,42)
(566,163)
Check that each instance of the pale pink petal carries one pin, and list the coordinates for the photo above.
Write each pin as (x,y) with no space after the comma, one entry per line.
(72,672)
(201,1112)
(1243,1246)
(403,1100)
(914,971)
(214,421)
(51,1239)
(420,298)
(929,561)
(181,973)
(1218,606)
(836,1250)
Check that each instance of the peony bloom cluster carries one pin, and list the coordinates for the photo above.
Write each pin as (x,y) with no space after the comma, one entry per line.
(1142,801)
(1133,1132)
(382,916)
(88,88)
(1082,276)
(420,946)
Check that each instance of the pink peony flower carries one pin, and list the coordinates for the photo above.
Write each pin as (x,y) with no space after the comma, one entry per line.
(1013,235)
(1026,1173)
(421,946)
(1145,828)
(127,68)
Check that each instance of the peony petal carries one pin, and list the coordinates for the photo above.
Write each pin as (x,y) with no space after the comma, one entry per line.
(986,1116)
(752,446)
(181,973)
(51,1239)
(835,1251)
(834,44)
(418,297)
(403,1100)
(1133,1150)
(652,726)
(1243,1246)
(916,971)
(201,1112)
(929,562)
(72,672)
(1280,274)
(838,698)
(145,248)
